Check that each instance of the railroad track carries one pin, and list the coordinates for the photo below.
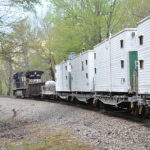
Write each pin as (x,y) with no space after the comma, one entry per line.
(122,114)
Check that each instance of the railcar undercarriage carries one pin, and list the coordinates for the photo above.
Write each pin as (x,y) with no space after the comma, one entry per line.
(136,105)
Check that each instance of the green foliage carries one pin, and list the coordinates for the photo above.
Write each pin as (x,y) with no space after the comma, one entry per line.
(18,52)
(9,147)
(78,24)
(26,145)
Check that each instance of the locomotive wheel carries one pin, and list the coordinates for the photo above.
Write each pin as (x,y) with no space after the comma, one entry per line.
(146,112)
(136,111)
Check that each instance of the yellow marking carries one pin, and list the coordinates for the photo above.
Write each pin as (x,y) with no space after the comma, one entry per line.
(140,109)
(94,101)
(132,105)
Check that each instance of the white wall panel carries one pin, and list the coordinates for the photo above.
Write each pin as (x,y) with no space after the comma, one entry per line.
(102,65)
(117,54)
(59,77)
(80,82)
(144,54)
(109,54)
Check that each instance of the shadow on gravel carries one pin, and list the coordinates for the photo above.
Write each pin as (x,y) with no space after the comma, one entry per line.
(127,116)
(109,112)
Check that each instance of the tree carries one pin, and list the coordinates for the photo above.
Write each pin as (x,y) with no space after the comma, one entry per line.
(79,24)
(16,49)
(11,12)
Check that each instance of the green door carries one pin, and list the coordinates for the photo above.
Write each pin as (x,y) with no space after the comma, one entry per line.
(70,79)
(133,57)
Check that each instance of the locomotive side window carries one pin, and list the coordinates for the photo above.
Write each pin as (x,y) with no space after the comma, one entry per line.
(122,64)
(121,43)
(141,39)
(141,64)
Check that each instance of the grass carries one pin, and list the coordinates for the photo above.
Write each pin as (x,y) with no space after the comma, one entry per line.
(10,147)
(2,119)
(52,141)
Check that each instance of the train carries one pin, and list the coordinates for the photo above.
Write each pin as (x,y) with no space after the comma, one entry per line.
(115,73)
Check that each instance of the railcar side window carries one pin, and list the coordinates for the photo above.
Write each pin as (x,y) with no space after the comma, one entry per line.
(82,66)
(66,67)
(121,43)
(122,80)
(66,77)
(94,55)
(87,75)
(141,64)
(122,64)
(86,62)
(141,38)
(95,70)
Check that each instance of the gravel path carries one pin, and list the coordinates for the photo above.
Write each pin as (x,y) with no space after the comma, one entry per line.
(95,128)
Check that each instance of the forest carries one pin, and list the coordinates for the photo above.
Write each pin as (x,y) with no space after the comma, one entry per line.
(68,26)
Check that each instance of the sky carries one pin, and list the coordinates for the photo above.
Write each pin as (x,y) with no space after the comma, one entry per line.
(11,14)
(41,10)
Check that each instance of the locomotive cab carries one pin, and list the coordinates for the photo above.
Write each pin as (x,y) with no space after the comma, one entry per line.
(27,84)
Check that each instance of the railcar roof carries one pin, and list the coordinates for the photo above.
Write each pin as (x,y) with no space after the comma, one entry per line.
(124,30)
(143,20)
(82,53)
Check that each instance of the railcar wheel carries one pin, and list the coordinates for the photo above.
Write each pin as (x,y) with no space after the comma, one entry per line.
(147,112)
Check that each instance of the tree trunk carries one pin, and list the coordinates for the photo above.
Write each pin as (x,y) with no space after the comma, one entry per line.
(9,78)
(52,63)
(1,90)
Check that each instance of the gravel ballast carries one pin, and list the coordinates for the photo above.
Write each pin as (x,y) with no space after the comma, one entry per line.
(91,127)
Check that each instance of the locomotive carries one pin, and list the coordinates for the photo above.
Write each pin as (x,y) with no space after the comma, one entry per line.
(31,85)
(27,84)
(115,73)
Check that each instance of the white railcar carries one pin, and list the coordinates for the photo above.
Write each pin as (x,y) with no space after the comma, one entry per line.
(59,77)
(123,55)
(115,62)
(76,74)
(63,76)
(144,56)
(82,72)
(66,76)
(102,67)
